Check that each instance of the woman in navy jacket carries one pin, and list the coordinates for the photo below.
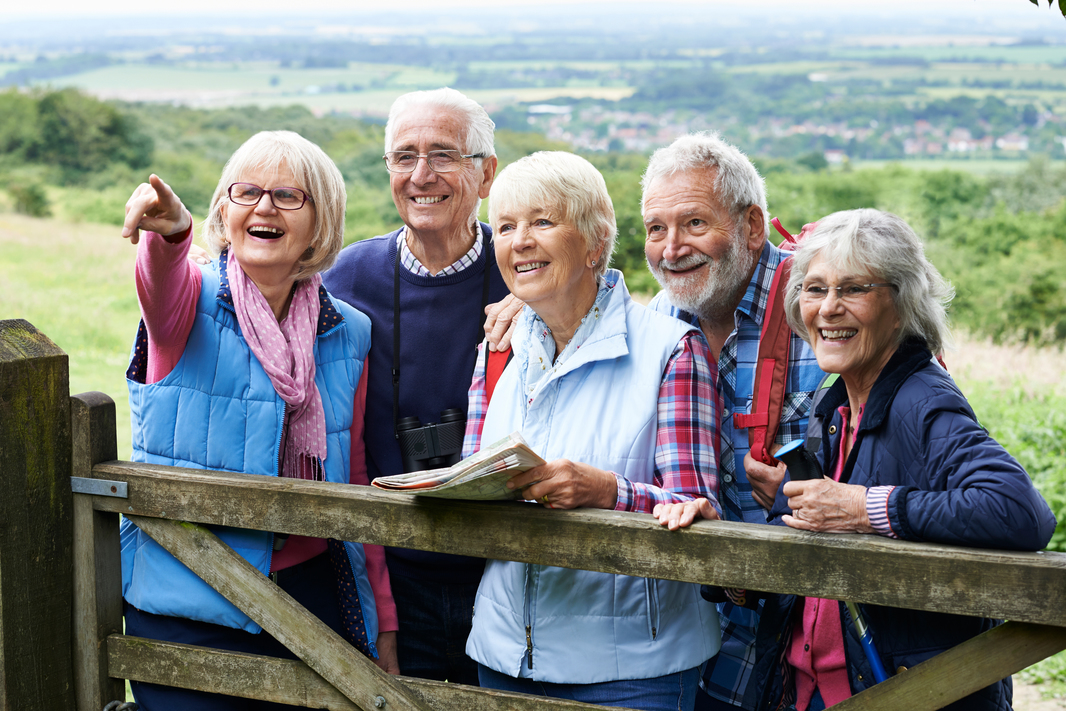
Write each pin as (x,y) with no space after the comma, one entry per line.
(903,456)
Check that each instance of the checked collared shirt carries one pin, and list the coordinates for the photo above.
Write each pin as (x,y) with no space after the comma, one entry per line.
(727,674)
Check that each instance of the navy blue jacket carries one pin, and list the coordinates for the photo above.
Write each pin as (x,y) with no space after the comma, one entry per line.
(954,485)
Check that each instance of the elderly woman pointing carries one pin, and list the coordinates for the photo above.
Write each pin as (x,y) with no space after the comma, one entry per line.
(248,365)
(614,397)
(903,456)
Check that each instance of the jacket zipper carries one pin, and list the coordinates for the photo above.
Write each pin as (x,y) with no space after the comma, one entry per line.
(530,578)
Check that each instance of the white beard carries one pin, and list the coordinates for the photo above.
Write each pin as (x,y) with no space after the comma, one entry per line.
(724,279)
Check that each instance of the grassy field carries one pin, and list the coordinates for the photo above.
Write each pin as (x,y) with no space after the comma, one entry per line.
(74,282)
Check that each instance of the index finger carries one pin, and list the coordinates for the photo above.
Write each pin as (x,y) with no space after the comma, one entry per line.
(142,198)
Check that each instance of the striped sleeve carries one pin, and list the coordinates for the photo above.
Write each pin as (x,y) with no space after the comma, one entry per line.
(877,509)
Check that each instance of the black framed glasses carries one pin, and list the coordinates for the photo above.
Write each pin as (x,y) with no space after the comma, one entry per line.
(249,194)
(439,161)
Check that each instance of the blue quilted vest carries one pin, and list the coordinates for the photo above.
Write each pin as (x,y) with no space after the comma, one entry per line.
(599,407)
(218,410)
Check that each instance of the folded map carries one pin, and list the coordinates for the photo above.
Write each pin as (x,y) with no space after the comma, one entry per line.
(482,476)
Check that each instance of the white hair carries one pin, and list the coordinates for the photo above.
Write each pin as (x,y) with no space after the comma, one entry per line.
(478,135)
(737,183)
(557,180)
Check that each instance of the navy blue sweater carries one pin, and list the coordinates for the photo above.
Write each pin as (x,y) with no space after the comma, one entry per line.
(441,321)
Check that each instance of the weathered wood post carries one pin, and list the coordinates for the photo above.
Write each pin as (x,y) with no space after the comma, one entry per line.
(35,522)
(97,565)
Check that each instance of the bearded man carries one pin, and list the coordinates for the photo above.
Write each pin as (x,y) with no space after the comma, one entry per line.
(704,208)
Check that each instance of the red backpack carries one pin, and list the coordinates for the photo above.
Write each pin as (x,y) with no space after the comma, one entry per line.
(771,368)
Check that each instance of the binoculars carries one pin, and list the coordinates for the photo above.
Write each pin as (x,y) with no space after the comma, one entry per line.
(431,446)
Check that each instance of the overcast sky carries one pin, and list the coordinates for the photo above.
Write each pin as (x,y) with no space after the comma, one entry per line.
(129,8)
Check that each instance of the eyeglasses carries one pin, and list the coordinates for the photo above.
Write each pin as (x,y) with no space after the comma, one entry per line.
(248,194)
(848,293)
(439,161)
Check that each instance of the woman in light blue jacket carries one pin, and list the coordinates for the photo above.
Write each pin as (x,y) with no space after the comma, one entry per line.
(620,402)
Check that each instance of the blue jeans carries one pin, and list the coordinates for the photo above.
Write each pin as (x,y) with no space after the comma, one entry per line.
(311,583)
(671,692)
(435,620)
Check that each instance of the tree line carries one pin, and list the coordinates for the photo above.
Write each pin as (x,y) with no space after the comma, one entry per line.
(1001,239)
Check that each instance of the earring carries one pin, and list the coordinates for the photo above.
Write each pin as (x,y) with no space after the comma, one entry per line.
(593,262)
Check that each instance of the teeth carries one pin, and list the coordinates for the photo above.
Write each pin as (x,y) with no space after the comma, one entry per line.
(530,266)
(428,200)
(838,334)
(260,229)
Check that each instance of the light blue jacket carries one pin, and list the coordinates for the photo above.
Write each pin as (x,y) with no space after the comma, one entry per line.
(600,407)
(218,410)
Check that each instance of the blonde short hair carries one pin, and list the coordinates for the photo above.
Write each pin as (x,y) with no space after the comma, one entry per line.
(315,173)
(563,181)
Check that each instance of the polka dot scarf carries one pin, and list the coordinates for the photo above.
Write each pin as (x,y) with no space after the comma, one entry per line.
(286,352)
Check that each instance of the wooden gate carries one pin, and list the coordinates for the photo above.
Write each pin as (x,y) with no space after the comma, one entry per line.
(60,610)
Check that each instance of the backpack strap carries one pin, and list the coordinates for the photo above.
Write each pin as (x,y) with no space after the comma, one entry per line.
(495,362)
(771,371)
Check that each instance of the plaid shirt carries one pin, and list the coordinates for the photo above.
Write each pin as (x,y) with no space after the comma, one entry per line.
(685,449)
(410,261)
(727,674)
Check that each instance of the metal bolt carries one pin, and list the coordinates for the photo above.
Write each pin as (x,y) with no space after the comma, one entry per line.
(114,489)
(379,702)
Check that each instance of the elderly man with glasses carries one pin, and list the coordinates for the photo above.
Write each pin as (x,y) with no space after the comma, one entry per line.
(425,288)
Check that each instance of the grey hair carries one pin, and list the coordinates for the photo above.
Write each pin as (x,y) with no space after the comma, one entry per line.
(315,174)
(737,183)
(479,128)
(885,247)
(557,180)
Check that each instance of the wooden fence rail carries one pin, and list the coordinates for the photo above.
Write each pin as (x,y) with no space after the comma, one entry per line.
(59,562)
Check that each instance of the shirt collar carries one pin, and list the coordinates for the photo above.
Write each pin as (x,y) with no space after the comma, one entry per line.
(753,304)
(410,261)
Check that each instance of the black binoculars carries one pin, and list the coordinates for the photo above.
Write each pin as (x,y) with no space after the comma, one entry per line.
(431,446)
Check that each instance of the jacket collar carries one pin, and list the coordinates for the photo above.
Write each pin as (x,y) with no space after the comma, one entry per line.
(606,340)
(328,316)
(910,356)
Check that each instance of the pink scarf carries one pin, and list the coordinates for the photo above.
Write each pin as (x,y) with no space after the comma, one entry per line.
(286,352)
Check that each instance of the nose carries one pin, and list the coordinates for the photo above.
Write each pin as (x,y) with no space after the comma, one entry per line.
(832,303)
(675,247)
(265,206)
(422,173)
(522,237)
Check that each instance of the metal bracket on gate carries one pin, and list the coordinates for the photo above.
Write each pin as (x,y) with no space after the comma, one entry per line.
(98,487)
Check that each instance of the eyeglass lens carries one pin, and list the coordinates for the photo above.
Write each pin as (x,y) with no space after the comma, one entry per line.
(283,198)
(439,161)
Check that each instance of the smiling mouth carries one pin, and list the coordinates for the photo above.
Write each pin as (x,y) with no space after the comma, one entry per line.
(838,334)
(429,200)
(522,268)
(684,265)
(264,232)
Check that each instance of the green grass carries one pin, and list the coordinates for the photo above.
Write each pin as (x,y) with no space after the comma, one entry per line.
(976,166)
(74,283)
(1013,54)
